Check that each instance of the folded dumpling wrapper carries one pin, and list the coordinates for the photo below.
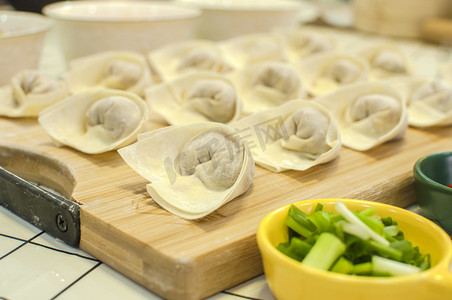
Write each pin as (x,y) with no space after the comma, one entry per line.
(252,48)
(186,56)
(325,72)
(195,97)
(429,101)
(123,70)
(265,85)
(194,168)
(29,92)
(367,114)
(95,121)
(386,60)
(444,72)
(297,135)
(302,43)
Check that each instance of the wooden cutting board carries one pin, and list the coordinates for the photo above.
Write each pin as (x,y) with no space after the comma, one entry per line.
(180,259)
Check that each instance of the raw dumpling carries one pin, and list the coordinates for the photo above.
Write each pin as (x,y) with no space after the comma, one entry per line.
(324,73)
(122,70)
(266,85)
(294,136)
(95,121)
(300,44)
(30,92)
(429,101)
(193,169)
(252,48)
(368,114)
(195,97)
(192,55)
(386,60)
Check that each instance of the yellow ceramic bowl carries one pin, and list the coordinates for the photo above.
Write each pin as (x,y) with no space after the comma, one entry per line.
(289,279)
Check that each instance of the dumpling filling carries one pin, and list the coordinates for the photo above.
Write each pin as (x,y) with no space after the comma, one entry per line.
(307,130)
(118,115)
(343,71)
(35,82)
(121,74)
(375,114)
(214,157)
(435,93)
(215,99)
(311,44)
(202,59)
(390,61)
(278,77)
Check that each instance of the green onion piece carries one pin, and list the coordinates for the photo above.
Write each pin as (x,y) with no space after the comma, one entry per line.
(392,267)
(325,251)
(321,222)
(300,217)
(373,223)
(319,207)
(368,211)
(300,247)
(363,268)
(297,227)
(296,248)
(343,266)
(391,230)
(350,217)
(386,251)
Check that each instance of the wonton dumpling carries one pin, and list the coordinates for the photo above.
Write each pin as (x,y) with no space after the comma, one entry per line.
(252,48)
(429,101)
(30,92)
(266,85)
(95,121)
(386,61)
(294,136)
(122,70)
(193,169)
(324,73)
(193,55)
(300,44)
(368,114)
(195,97)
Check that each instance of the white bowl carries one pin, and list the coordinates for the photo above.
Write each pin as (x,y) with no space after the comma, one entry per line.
(223,19)
(22,36)
(88,27)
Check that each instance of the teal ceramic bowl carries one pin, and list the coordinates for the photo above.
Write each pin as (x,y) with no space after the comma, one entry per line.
(432,177)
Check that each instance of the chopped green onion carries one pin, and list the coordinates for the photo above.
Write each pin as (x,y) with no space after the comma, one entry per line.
(392,267)
(350,217)
(343,266)
(325,251)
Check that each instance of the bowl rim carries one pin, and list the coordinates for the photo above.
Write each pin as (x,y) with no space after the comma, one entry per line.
(265,245)
(52,10)
(421,176)
(238,6)
(45,23)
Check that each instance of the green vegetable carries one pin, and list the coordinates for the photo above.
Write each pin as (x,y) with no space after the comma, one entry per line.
(363,268)
(392,267)
(358,243)
(297,220)
(296,248)
(343,266)
(325,251)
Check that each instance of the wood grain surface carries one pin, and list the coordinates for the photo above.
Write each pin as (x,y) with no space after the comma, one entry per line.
(181,259)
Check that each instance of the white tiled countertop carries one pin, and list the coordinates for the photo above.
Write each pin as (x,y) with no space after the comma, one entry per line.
(34,265)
